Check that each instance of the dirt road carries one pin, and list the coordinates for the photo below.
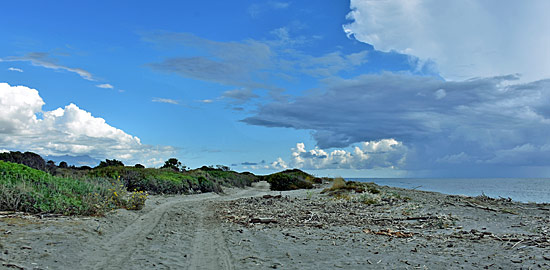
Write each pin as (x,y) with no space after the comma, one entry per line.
(176,232)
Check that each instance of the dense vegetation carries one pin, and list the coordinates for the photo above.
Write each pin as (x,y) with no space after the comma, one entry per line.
(36,186)
(25,189)
(291,179)
(30,159)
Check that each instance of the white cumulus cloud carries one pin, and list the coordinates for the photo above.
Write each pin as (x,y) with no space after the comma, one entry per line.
(465,38)
(69,130)
(385,153)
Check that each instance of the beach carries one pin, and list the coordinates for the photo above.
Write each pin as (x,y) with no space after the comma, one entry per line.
(255,228)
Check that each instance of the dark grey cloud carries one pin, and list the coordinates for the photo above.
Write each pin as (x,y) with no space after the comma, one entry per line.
(202,68)
(239,96)
(250,64)
(249,163)
(241,64)
(478,121)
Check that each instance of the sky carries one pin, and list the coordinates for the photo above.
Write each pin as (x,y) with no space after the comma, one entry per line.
(360,88)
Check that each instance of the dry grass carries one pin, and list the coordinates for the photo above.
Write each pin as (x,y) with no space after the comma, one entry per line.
(338,183)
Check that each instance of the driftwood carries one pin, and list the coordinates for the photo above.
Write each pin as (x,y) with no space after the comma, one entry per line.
(13,265)
(475,205)
(263,220)
(271,196)
(12,214)
(406,218)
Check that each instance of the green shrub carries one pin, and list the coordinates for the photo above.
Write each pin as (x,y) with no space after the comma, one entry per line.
(29,190)
(289,180)
(155,181)
(169,181)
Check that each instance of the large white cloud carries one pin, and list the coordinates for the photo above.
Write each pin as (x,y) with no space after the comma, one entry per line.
(19,106)
(69,130)
(466,38)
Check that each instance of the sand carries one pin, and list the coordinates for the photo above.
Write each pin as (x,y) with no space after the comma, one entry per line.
(311,231)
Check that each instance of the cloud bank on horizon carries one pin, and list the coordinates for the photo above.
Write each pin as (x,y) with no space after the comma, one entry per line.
(440,124)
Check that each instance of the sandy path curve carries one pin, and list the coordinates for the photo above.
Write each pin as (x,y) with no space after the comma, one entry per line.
(210,248)
(181,233)
(120,248)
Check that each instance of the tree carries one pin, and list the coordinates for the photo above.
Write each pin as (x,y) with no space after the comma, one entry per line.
(63,164)
(139,166)
(50,166)
(223,168)
(174,164)
(30,159)
(109,163)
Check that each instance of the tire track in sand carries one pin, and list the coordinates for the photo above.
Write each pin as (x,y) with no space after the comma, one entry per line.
(117,251)
(209,249)
(205,246)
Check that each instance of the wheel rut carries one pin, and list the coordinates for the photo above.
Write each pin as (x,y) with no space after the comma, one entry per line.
(181,233)
(209,250)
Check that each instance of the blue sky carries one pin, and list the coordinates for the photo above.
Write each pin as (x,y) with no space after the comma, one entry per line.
(363,88)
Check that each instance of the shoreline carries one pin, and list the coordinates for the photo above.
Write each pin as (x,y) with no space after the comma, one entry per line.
(306,230)
(514,188)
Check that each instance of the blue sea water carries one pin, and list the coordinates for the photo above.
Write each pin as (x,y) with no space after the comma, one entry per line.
(518,189)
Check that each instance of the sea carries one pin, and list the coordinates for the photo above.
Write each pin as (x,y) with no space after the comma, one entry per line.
(518,189)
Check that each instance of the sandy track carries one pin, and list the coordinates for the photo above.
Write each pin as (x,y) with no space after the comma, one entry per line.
(209,249)
(126,247)
(176,232)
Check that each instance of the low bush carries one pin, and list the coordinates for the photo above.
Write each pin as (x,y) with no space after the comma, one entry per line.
(289,180)
(155,181)
(119,197)
(25,189)
(339,185)
(367,193)
(169,181)
(225,178)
